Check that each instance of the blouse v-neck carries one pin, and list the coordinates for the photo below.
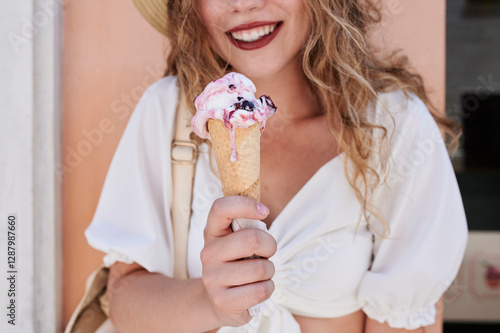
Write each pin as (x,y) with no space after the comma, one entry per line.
(317,176)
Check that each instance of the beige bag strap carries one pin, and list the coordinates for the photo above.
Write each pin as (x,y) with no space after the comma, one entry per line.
(92,310)
(184,157)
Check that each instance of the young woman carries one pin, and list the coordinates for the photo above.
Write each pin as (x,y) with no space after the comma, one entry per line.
(366,224)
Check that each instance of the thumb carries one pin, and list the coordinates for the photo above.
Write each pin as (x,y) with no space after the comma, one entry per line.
(224,210)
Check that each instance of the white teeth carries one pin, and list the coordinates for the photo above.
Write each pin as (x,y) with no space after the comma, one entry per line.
(254,34)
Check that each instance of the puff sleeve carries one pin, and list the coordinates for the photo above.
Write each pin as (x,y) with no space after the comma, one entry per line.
(421,202)
(132,219)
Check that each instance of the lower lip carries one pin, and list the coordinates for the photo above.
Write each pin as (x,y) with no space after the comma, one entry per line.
(247,46)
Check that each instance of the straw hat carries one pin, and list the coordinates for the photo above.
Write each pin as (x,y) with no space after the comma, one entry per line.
(155,12)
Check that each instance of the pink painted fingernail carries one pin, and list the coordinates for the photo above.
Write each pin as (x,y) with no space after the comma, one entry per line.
(262,209)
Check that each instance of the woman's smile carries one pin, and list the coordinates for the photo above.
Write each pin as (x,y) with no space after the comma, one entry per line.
(257,38)
(253,35)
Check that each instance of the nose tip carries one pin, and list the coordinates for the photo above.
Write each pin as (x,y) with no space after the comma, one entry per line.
(246,5)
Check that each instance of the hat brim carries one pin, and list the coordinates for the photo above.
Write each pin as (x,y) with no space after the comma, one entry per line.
(155,12)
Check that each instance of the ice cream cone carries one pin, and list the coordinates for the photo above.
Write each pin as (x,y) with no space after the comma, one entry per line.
(241,177)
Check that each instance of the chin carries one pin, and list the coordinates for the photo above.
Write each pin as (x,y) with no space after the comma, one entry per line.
(258,70)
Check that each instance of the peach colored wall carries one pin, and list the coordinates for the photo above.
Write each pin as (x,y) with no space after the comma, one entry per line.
(419,28)
(110,55)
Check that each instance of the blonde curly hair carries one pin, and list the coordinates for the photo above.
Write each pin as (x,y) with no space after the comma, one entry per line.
(344,71)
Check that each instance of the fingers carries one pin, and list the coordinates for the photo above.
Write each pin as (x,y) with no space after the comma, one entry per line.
(233,285)
(239,273)
(235,302)
(252,294)
(224,210)
(238,245)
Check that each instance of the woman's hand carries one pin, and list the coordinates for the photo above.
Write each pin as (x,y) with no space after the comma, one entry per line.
(234,285)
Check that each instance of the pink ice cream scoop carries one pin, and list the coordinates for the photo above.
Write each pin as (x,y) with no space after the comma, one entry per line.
(231,99)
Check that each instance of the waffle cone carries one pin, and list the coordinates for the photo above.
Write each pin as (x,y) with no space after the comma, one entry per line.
(241,177)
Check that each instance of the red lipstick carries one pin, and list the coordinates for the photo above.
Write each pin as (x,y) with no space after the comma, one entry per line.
(263,41)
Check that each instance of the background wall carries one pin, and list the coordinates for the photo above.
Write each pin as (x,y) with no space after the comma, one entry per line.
(111,55)
(418,28)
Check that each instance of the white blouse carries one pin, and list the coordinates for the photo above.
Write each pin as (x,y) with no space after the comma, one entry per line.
(327,265)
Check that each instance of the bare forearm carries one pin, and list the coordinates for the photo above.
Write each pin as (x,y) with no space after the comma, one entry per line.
(145,302)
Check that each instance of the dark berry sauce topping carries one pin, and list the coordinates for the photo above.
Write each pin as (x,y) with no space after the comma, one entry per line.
(268,101)
(245,105)
(248,106)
